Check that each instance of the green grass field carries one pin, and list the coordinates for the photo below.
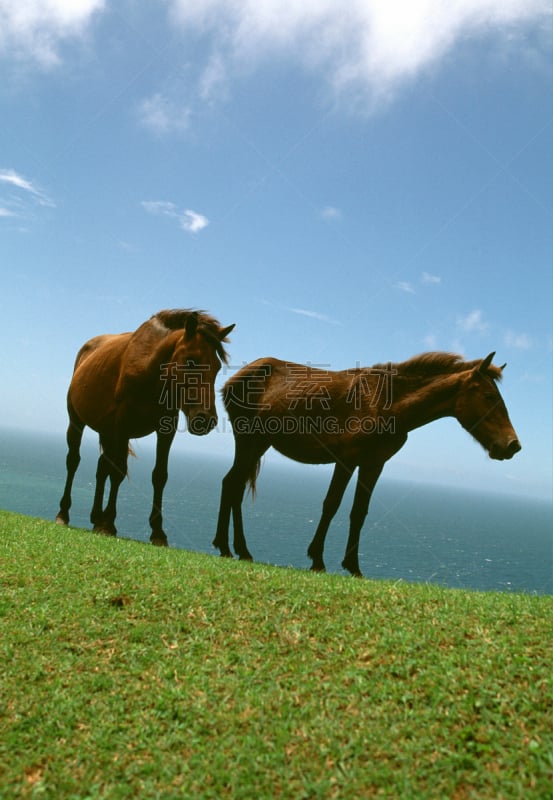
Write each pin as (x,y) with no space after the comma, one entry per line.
(133,671)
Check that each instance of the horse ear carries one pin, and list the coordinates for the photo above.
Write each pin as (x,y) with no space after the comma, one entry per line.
(224,332)
(483,368)
(191,325)
(502,367)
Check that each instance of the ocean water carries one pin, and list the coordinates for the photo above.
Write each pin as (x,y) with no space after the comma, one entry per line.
(414,532)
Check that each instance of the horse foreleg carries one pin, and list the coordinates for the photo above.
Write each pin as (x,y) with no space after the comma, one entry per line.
(159,480)
(73,437)
(331,503)
(366,481)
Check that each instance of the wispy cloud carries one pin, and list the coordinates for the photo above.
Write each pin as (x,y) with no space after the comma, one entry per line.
(11,178)
(331,213)
(430,280)
(34,30)
(370,47)
(160,207)
(303,312)
(519,341)
(313,315)
(405,286)
(162,115)
(20,197)
(473,322)
(189,220)
(431,341)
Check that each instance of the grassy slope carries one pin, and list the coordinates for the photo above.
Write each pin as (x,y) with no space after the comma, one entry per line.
(132,671)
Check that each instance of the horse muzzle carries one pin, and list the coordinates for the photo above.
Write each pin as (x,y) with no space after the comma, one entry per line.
(503,453)
(201,424)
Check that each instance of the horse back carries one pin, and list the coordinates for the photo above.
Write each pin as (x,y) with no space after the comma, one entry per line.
(92,345)
(269,386)
(307,413)
(254,386)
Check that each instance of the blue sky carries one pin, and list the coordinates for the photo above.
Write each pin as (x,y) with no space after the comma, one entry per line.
(349,183)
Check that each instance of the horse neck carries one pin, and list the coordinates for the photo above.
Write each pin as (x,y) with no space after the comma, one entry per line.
(145,359)
(418,404)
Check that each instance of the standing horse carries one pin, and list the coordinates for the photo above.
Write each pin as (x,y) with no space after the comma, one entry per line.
(357,418)
(128,385)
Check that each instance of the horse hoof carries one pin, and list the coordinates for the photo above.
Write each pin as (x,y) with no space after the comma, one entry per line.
(318,568)
(159,539)
(104,530)
(61,520)
(353,569)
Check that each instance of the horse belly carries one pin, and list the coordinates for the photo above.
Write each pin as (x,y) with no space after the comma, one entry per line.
(92,390)
(94,406)
(315,449)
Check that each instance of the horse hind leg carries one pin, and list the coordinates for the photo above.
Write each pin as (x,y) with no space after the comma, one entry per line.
(232,492)
(73,437)
(113,461)
(232,495)
(102,473)
(239,540)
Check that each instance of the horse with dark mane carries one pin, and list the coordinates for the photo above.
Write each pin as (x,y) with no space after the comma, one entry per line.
(128,385)
(356,419)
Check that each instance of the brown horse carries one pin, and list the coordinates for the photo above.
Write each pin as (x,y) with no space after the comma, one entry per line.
(128,385)
(358,418)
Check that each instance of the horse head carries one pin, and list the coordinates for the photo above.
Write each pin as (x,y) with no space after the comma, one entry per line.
(198,356)
(481,411)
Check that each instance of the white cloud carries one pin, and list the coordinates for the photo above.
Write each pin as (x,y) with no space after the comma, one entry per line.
(313,315)
(12,179)
(331,213)
(163,116)
(473,322)
(21,196)
(429,279)
(160,207)
(520,341)
(34,29)
(431,341)
(367,45)
(190,221)
(213,80)
(193,222)
(405,286)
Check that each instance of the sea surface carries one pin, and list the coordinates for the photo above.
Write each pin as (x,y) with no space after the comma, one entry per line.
(414,532)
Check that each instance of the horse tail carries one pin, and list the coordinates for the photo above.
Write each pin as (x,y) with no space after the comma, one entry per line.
(251,478)
(130,450)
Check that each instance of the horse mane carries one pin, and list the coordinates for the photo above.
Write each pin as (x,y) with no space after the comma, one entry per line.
(428,365)
(174,319)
